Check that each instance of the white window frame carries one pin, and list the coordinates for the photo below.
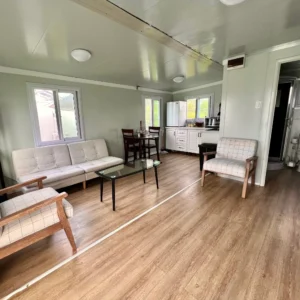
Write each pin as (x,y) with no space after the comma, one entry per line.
(155,97)
(34,114)
(211,104)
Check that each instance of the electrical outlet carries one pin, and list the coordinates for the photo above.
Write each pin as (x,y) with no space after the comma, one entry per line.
(258,104)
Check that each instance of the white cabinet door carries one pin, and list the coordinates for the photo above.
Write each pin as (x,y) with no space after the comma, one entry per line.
(171,139)
(194,138)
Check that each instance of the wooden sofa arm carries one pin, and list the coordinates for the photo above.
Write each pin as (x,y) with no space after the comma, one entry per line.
(253,158)
(205,155)
(17,215)
(38,180)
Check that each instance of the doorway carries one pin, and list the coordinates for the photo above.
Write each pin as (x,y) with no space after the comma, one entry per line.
(280,122)
(285,123)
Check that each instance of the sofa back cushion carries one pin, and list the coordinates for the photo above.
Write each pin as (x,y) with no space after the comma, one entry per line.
(87,151)
(233,148)
(32,160)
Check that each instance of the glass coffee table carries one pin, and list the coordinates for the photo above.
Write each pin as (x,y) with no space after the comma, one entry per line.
(124,170)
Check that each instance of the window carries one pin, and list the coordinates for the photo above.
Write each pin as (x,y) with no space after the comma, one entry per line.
(55,113)
(152,112)
(199,107)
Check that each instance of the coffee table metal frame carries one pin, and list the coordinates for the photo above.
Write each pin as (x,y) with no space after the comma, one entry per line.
(113,179)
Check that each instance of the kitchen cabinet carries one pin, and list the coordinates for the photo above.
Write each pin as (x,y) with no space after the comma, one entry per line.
(181,140)
(194,139)
(171,139)
(187,139)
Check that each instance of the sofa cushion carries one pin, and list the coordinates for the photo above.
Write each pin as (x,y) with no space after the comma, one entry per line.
(226,166)
(34,221)
(33,160)
(102,163)
(239,149)
(54,174)
(87,151)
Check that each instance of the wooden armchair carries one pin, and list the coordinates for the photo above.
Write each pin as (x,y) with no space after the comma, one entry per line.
(234,157)
(42,213)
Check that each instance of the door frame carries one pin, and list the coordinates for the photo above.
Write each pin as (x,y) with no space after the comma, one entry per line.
(268,114)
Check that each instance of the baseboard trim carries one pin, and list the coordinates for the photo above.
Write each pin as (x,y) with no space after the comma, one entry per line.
(82,251)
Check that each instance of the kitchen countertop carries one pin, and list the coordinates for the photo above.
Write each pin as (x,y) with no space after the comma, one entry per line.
(194,128)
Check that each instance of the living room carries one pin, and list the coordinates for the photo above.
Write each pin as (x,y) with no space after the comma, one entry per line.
(83,85)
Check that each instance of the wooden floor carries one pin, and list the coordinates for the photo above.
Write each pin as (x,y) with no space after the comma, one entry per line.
(205,243)
(93,219)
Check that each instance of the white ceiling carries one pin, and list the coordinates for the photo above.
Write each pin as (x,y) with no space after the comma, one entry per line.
(39,35)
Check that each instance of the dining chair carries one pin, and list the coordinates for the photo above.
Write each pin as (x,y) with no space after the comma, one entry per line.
(150,145)
(130,144)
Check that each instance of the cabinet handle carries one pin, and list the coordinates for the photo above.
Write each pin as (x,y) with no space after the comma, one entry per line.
(174,132)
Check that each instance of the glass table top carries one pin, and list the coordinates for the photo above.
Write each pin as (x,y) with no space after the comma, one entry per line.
(128,169)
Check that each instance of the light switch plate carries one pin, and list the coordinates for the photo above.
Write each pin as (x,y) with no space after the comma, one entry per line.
(258,104)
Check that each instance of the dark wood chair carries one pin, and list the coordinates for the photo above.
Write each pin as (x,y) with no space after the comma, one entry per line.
(130,144)
(150,145)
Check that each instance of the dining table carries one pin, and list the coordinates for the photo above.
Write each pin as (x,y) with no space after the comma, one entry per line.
(141,139)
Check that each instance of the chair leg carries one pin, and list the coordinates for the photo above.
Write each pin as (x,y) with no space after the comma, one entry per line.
(84,185)
(253,178)
(148,152)
(134,154)
(69,234)
(203,177)
(66,225)
(245,185)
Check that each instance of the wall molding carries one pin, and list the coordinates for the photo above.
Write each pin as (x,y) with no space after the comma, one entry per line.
(16,71)
(198,87)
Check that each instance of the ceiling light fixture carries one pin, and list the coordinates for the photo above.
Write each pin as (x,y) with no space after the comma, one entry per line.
(81,55)
(178,79)
(231,2)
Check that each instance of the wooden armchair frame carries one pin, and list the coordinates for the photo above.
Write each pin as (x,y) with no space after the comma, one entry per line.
(30,239)
(250,171)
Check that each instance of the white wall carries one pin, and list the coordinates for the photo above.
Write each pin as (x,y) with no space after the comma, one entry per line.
(105,110)
(242,88)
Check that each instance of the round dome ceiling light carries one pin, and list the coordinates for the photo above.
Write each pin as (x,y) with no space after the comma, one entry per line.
(231,2)
(178,79)
(81,55)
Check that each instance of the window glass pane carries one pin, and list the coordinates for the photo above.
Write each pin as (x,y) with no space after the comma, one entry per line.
(156,113)
(191,108)
(45,105)
(203,108)
(68,115)
(148,112)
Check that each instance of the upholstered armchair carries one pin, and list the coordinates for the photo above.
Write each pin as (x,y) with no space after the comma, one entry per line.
(234,157)
(30,217)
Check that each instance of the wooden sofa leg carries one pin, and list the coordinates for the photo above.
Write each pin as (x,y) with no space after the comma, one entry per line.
(66,225)
(253,178)
(84,185)
(69,234)
(245,185)
(203,177)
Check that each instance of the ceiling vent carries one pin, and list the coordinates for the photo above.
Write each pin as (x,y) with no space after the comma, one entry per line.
(236,62)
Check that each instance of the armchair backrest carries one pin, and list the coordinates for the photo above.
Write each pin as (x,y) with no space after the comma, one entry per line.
(234,148)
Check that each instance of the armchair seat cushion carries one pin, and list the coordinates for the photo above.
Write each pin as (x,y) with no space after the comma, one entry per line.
(228,166)
(102,163)
(33,222)
(54,174)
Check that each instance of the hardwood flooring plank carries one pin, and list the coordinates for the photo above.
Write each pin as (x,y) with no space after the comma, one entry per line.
(205,243)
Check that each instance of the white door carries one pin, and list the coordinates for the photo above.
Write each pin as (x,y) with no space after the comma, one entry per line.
(170,139)
(193,140)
